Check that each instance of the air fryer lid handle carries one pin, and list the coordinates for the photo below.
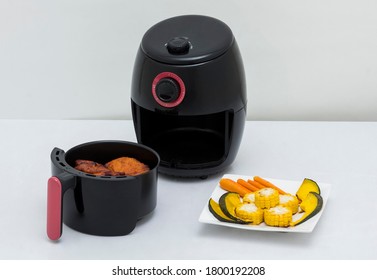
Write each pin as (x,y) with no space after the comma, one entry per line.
(187,40)
(178,45)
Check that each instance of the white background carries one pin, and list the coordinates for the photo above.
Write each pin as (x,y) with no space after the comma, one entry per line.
(73,59)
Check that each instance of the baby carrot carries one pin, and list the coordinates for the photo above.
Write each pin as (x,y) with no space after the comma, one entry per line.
(247,185)
(256,184)
(232,186)
(268,184)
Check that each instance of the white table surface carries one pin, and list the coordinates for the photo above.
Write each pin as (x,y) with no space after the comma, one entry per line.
(343,154)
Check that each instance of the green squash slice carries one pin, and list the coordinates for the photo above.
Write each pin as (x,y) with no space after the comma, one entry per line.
(216,211)
(312,205)
(306,187)
(228,203)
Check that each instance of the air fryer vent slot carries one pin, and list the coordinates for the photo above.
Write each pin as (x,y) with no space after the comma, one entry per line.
(190,147)
(187,142)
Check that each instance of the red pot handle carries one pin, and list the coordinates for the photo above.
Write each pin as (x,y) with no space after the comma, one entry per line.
(54,208)
(56,187)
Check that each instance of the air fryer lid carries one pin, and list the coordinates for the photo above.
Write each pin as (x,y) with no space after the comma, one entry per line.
(187,40)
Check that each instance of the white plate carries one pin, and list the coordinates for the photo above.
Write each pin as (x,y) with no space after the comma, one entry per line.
(286,185)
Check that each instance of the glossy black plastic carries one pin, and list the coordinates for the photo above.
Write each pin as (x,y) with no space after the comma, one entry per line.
(201,134)
(105,205)
(215,86)
(188,39)
(191,146)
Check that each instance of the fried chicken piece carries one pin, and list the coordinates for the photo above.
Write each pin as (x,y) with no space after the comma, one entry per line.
(127,165)
(95,168)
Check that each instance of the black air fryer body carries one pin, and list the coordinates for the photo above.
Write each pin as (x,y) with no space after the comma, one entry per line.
(189,95)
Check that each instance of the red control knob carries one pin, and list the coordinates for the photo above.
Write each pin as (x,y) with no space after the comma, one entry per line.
(168,89)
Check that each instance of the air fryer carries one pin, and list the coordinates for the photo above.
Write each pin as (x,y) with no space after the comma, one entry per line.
(189,96)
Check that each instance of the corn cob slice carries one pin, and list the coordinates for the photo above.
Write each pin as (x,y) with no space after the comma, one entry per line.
(290,201)
(266,198)
(249,197)
(249,212)
(279,216)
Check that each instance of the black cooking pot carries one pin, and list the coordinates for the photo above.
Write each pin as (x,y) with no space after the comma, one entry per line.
(99,205)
